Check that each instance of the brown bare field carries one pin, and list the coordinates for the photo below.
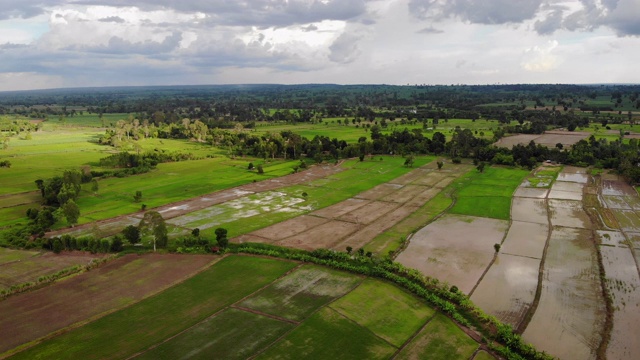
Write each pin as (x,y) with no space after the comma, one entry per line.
(341,208)
(29,268)
(548,139)
(368,213)
(569,319)
(290,227)
(320,237)
(29,316)
(378,191)
(507,290)
(454,248)
(623,283)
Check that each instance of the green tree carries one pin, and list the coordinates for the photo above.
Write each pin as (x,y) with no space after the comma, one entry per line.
(440,164)
(132,234)
(94,186)
(408,162)
(481,166)
(221,237)
(260,169)
(153,224)
(71,212)
(138,196)
(496,247)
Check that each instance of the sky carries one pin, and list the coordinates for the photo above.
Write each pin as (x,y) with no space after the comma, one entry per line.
(89,43)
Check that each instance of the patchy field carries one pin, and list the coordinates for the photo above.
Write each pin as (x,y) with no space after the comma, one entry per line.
(32,315)
(19,266)
(525,239)
(302,292)
(454,248)
(161,316)
(568,213)
(440,339)
(569,319)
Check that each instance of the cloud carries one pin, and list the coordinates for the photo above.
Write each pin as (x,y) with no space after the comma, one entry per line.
(540,58)
(429,30)
(113,19)
(24,8)
(476,11)
(345,48)
(121,46)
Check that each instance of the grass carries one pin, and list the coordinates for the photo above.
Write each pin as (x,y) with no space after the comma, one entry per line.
(544,178)
(135,328)
(386,310)
(440,339)
(329,335)
(483,355)
(232,334)
(487,194)
(8,255)
(298,294)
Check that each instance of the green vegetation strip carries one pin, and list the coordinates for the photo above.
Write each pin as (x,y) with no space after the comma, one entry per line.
(488,193)
(232,334)
(155,319)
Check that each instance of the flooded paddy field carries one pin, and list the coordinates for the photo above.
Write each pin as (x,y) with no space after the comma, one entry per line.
(623,282)
(529,210)
(570,316)
(455,248)
(528,192)
(508,289)
(525,239)
(568,213)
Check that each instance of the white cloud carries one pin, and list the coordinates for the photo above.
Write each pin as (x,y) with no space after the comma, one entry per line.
(540,58)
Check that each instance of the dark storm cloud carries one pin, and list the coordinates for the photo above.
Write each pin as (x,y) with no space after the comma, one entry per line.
(550,24)
(476,11)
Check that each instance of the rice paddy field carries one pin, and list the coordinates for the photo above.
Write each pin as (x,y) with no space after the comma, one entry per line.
(241,307)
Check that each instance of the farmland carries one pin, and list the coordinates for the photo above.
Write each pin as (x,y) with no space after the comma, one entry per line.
(223,301)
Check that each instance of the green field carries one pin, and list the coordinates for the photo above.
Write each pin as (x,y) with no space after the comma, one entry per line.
(487,194)
(231,334)
(297,295)
(159,317)
(387,311)
(440,339)
(329,335)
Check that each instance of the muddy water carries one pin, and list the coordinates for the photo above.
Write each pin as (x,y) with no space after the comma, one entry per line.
(624,286)
(569,320)
(456,249)
(613,238)
(632,201)
(578,178)
(525,239)
(568,213)
(531,192)
(529,210)
(565,195)
(567,186)
(617,187)
(508,288)
(635,240)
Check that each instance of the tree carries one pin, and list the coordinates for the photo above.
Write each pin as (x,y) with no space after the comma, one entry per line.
(94,186)
(138,196)
(349,249)
(195,232)
(153,224)
(481,166)
(260,170)
(409,161)
(221,237)
(71,212)
(496,247)
(440,164)
(132,234)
